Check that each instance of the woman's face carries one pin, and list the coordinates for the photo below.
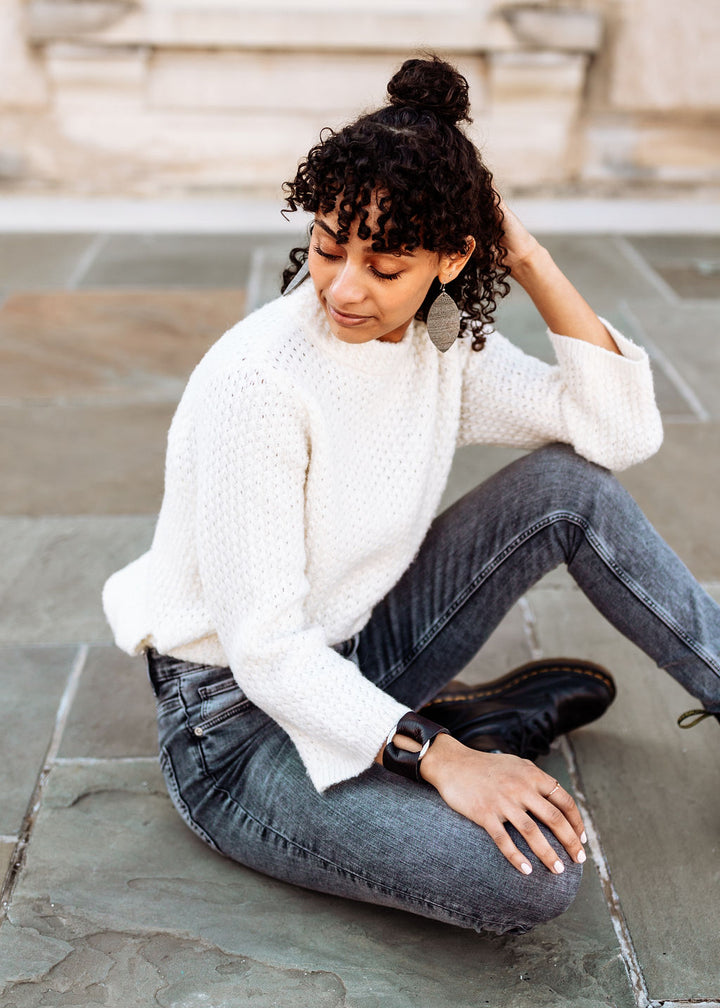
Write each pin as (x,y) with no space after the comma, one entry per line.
(371,295)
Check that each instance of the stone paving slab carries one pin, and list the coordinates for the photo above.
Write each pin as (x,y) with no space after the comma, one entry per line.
(651,789)
(32,681)
(603,268)
(53,571)
(688,337)
(42,260)
(113,714)
(121,903)
(688,264)
(76,459)
(109,345)
(191,260)
(678,489)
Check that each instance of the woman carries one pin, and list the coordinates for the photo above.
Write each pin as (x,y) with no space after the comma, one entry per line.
(300,603)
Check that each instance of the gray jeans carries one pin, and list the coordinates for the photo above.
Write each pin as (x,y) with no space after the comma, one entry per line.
(238,782)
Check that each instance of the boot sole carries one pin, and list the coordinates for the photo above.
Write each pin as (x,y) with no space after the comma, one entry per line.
(524,673)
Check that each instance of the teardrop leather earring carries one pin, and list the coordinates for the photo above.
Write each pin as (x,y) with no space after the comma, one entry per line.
(443,321)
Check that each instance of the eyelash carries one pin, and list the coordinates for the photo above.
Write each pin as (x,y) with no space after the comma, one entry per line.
(375,272)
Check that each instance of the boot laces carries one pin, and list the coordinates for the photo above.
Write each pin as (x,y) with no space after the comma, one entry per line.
(693,717)
(531,737)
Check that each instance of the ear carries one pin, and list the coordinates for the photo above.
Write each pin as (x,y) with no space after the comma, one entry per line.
(452,265)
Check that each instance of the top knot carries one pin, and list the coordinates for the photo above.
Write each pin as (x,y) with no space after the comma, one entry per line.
(431,85)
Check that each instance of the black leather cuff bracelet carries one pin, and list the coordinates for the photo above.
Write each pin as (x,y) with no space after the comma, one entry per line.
(417,727)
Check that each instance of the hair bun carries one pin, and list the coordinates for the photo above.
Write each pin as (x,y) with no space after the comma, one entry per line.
(432,85)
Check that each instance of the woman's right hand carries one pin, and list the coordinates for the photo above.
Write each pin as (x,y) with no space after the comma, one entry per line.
(493,789)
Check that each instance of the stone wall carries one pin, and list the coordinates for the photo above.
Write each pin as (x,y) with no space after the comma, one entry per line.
(182,97)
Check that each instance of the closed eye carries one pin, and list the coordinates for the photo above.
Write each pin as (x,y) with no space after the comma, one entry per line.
(375,272)
(325,255)
(384,276)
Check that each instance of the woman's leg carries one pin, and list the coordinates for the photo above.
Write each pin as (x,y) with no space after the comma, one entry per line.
(237,780)
(480,555)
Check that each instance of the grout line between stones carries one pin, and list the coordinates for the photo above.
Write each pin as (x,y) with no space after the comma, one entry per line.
(18,858)
(683,1004)
(86,260)
(612,900)
(672,373)
(255,276)
(644,267)
(530,628)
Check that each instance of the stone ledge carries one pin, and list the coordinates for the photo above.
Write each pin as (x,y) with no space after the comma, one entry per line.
(556,28)
(473,28)
(119,23)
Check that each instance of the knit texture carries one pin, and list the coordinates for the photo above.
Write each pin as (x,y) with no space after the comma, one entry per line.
(302,475)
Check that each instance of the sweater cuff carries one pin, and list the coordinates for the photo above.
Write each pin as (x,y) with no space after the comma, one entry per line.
(628,350)
(327,764)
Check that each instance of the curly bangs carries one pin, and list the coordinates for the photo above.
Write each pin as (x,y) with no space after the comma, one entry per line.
(426,186)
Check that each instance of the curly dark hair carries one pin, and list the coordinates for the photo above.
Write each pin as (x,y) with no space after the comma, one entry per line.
(428,180)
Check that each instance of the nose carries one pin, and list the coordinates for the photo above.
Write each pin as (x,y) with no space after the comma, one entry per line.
(347,288)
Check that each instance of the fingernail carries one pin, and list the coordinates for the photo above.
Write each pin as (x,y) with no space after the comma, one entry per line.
(559,867)
(526,868)
(581,857)
(583,837)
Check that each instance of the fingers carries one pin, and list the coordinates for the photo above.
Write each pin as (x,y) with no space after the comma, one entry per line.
(554,808)
(553,816)
(495,789)
(562,800)
(501,838)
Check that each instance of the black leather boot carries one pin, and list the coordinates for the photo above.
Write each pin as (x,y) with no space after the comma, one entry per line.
(522,712)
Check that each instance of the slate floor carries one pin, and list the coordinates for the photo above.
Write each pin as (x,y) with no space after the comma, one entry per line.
(108,899)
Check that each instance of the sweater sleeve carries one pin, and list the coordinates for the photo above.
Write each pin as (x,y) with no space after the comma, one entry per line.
(253,448)
(601,403)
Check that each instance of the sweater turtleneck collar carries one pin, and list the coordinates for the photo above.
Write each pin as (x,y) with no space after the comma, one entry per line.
(375,356)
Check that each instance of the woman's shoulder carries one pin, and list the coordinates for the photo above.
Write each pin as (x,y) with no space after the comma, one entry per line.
(259,345)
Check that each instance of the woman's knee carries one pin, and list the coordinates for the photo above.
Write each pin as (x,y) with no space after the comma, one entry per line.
(496,897)
(562,463)
(565,481)
(554,894)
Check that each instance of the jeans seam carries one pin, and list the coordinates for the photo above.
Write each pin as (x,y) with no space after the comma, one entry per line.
(493,565)
(601,550)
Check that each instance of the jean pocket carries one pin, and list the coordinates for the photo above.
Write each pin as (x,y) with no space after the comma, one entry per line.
(219,702)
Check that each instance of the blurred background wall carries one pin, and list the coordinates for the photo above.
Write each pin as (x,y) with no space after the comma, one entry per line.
(221,97)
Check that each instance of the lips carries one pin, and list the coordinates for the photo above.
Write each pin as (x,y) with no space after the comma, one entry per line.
(345,319)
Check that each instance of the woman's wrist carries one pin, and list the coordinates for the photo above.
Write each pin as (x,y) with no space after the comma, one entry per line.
(408,744)
(440,753)
(531,265)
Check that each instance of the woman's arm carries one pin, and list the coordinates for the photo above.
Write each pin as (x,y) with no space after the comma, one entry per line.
(562,307)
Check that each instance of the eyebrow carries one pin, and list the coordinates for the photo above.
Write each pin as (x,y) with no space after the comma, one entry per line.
(333,235)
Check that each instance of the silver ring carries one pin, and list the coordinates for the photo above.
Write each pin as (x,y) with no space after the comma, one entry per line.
(553,791)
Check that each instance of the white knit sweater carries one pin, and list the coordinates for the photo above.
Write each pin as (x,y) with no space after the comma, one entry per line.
(302,475)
